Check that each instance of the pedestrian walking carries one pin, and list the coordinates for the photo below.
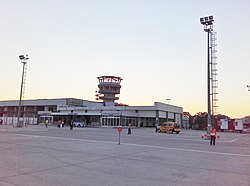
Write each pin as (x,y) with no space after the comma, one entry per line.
(129,128)
(1,121)
(212,136)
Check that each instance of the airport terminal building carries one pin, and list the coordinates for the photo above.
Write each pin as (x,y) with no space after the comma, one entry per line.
(91,113)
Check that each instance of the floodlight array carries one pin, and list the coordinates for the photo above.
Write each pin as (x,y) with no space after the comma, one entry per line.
(207,20)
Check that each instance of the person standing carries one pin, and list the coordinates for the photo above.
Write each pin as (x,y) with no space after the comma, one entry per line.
(129,128)
(71,121)
(59,122)
(1,121)
(212,136)
(157,128)
(71,125)
(46,123)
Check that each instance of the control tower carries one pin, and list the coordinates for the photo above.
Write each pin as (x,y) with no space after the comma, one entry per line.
(109,86)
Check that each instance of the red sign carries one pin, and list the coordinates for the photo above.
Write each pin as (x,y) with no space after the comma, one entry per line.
(119,129)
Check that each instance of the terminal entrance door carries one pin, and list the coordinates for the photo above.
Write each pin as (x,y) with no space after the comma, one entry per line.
(43,118)
(110,121)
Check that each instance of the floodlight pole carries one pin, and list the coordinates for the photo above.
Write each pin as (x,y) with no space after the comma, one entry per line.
(24,61)
(209,123)
(208,27)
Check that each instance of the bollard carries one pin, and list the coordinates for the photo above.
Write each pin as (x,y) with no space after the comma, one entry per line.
(119,129)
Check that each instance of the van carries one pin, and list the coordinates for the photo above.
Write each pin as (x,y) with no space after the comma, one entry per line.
(170,127)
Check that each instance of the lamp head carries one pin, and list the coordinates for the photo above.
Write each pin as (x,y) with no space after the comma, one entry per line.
(207,20)
(202,20)
(21,57)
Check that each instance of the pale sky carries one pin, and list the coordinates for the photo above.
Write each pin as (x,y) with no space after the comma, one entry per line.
(158,47)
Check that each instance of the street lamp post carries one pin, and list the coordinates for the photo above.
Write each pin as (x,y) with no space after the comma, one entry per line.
(207,22)
(24,60)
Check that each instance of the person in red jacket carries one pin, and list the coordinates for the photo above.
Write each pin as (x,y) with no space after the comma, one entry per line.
(212,136)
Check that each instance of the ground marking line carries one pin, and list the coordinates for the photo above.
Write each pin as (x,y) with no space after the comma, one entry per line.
(138,145)
(230,141)
(189,150)
(188,139)
(234,140)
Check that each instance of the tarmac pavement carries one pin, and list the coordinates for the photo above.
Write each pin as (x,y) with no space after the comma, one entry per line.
(39,156)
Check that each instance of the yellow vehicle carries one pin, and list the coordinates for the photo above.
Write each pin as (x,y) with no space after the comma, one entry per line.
(170,127)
